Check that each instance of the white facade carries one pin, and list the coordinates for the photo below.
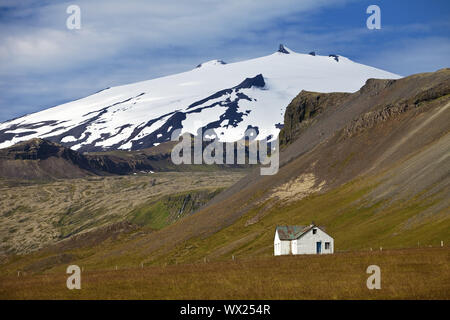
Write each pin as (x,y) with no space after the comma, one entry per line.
(281,247)
(311,240)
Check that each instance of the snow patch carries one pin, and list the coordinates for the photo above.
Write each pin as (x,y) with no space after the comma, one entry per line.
(68,139)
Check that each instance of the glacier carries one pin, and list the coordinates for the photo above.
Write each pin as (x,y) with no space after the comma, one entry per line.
(226,97)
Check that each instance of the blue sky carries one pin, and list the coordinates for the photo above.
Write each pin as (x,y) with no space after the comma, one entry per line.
(43,64)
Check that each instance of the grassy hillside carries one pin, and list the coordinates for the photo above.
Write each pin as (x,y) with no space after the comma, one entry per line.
(381,180)
(353,222)
(168,209)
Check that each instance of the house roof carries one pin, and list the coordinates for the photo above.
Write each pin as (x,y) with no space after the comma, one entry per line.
(292,232)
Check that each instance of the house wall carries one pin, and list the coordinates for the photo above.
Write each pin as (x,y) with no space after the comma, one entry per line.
(306,244)
(294,246)
(281,247)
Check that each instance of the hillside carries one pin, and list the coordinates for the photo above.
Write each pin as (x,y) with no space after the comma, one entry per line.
(39,159)
(43,159)
(371,166)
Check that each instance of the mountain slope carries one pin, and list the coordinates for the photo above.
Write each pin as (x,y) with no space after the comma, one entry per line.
(226,97)
(42,159)
(373,168)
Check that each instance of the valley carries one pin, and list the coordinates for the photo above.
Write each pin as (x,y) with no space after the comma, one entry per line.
(221,159)
(372,167)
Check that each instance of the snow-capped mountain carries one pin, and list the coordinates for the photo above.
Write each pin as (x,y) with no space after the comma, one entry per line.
(228,98)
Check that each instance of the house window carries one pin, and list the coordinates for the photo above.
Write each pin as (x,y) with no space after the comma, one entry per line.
(327,246)
(314,231)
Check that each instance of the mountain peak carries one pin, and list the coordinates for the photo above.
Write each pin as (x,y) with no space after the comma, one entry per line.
(334,56)
(211,63)
(256,81)
(283,49)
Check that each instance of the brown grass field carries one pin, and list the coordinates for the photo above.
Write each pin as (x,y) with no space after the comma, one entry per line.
(421,273)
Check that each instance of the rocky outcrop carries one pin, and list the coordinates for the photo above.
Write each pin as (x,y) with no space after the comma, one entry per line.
(388,111)
(38,158)
(373,87)
(303,109)
(282,49)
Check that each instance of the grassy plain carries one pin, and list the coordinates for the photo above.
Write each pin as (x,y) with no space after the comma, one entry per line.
(405,274)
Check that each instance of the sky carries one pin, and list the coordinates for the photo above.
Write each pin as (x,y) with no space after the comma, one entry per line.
(43,63)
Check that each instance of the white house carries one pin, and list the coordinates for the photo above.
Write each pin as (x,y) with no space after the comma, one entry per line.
(302,240)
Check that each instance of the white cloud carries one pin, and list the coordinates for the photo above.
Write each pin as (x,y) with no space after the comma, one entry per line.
(43,63)
(120,42)
(110,28)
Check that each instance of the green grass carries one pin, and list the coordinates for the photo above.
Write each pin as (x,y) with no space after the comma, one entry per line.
(159,214)
(154,215)
(354,222)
